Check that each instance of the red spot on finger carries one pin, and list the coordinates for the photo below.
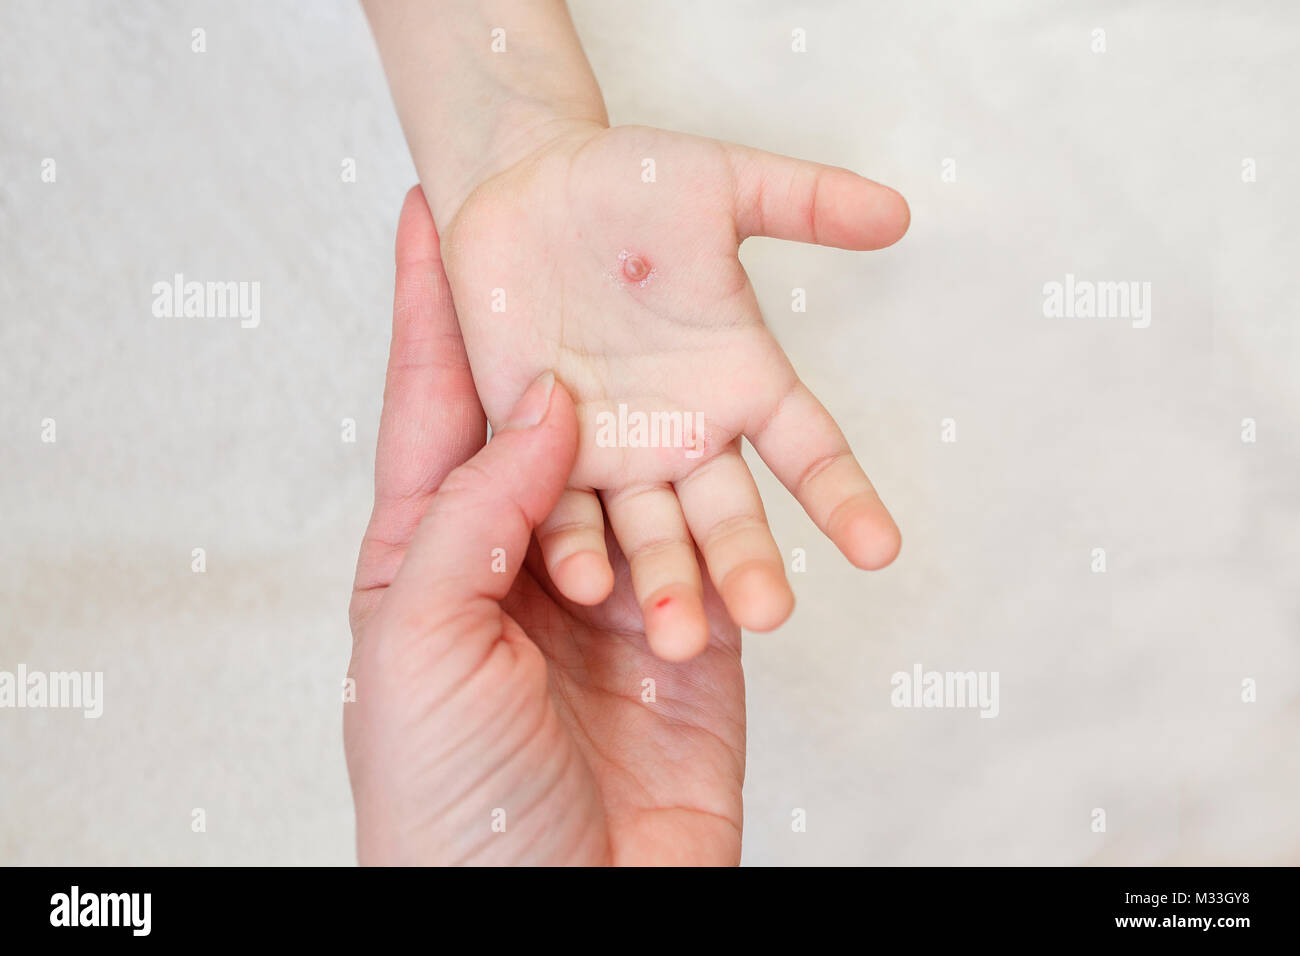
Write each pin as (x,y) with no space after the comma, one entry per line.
(663,602)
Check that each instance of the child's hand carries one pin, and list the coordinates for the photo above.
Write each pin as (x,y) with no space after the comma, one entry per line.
(631,291)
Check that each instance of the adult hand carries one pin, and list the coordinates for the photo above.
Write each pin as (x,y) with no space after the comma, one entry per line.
(494,721)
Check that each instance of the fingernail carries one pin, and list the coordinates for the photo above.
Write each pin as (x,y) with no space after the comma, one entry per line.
(532,405)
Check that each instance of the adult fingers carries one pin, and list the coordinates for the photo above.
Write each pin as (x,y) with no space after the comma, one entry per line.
(474,537)
(432,420)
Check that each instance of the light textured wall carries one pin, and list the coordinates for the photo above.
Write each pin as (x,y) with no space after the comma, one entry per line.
(1119,690)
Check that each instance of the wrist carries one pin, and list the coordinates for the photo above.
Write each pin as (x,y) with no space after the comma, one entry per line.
(516,136)
(481,84)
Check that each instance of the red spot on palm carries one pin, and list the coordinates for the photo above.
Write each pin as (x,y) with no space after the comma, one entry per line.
(635,268)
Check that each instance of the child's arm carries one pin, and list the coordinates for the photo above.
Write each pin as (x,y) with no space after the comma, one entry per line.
(609,257)
(479,84)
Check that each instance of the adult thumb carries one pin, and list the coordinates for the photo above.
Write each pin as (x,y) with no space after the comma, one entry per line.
(471,543)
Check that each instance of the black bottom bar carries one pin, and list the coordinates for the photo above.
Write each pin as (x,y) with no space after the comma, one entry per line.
(1226,905)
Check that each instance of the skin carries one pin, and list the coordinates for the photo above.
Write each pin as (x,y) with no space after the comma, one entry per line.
(631,292)
(478,691)
(690,339)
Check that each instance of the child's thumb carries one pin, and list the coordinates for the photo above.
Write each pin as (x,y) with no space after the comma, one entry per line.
(788,198)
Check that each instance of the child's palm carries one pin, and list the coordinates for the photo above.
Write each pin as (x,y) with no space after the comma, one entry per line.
(610,258)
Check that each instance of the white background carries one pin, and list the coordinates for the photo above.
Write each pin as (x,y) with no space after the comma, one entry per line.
(1119,690)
